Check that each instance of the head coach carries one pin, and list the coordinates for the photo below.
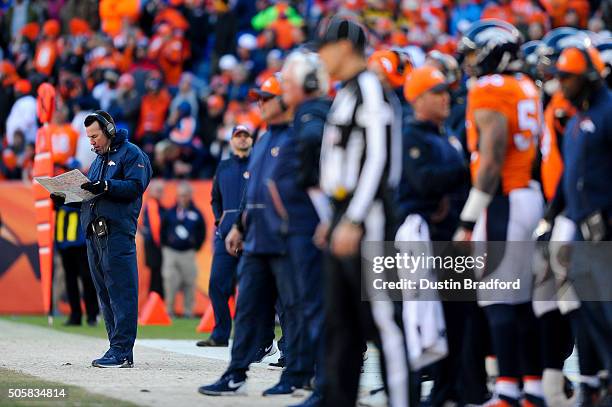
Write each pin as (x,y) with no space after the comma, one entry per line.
(118,177)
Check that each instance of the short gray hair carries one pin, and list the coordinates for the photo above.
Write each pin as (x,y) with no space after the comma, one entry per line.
(300,63)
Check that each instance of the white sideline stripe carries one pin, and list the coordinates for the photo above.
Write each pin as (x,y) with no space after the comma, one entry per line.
(370,379)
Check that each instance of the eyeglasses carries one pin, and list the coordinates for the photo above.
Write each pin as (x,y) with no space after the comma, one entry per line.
(266,99)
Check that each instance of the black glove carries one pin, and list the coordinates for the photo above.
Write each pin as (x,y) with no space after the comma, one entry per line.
(94,187)
(58,200)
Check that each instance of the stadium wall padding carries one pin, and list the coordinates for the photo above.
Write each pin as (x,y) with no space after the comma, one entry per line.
(20,291)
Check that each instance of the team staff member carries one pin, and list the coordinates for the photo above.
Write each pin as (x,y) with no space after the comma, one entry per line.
(182,234)
(265,271)
(295,180)
(503,123)
(433,167)
(553,316)
(360,165)
(118,177)
(587,147)
(227,192)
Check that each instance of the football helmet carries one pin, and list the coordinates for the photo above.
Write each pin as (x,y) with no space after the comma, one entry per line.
(494,43)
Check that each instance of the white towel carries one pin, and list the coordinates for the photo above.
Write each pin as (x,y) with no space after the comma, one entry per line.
(424,325)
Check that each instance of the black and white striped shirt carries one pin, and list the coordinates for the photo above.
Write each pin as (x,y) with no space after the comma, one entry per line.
(361,150)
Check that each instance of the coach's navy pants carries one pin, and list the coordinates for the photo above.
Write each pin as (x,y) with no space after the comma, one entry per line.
(261,279)
(307,264)
(221,288)
(112,261)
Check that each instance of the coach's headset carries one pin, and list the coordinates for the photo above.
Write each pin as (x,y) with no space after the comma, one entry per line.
(311,80)
(107,126)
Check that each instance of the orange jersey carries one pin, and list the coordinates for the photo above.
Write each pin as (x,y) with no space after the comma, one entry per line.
(517,98)
(45,57)
(64,140)
(552,162)
(153,110)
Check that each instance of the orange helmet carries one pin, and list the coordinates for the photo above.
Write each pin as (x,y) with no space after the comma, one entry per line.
(395,65)
(421,80)
(581,61)
(270,88)
(45,103)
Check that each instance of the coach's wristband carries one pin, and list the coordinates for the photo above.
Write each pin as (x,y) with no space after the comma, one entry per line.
(475,204)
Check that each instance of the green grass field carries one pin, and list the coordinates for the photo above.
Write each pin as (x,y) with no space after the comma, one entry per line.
(74,396)
(180,328)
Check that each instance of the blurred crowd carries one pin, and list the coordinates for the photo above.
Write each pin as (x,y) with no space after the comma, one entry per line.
(176,73)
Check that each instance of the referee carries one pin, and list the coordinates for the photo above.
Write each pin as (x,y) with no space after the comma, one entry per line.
(360,166)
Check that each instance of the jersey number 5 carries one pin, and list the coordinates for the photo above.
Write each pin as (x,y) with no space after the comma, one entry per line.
(528,124)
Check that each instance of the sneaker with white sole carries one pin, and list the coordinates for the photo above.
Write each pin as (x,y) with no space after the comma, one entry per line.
(264,352)
(227,385)
(113,361)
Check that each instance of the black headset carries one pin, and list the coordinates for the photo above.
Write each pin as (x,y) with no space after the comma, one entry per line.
(311,80)
(107,126)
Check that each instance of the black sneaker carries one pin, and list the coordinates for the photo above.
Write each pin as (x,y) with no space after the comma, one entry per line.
(277,365)
(113,361)
(315,400)
(264,352)
(280,389)
(225,386)
(72,322)
(210,342)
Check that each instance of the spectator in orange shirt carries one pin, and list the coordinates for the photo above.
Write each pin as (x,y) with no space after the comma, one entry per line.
(153,111)
(171,58)
(47,50)
(64,138)
(283,30)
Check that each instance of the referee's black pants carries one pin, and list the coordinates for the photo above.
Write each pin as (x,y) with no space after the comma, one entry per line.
(349,323)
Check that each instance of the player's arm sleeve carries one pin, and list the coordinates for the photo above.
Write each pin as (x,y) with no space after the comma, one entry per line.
(557,205)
